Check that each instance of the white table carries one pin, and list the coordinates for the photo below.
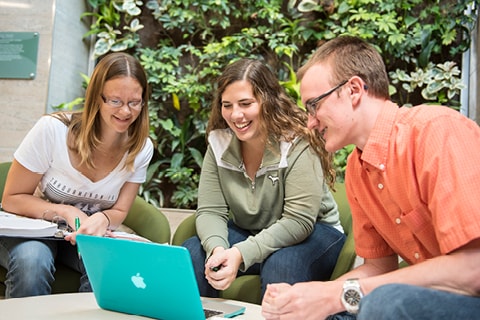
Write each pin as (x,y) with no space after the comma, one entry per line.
(81,306)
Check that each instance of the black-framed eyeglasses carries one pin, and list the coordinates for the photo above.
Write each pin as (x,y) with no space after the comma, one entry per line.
(311,105)
(137,105)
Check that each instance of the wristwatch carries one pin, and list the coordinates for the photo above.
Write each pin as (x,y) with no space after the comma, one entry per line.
(351,295)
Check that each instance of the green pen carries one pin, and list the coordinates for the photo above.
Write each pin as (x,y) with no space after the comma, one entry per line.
(77,226)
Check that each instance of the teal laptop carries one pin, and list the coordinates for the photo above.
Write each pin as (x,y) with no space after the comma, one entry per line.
(147,279)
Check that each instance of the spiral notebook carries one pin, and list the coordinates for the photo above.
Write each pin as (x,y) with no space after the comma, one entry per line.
(148,279)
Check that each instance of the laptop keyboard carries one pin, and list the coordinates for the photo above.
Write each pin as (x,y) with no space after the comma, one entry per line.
(210,313)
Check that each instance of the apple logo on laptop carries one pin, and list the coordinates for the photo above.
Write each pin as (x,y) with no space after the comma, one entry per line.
(138,281)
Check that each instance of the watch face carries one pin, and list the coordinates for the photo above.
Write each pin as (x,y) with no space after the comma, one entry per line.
(352,297)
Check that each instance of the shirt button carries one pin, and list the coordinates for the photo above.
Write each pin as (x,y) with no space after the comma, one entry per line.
(380,186)
(398,221)
(416,255)
(382,167)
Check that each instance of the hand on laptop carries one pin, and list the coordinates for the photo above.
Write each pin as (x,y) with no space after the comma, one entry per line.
(222,267)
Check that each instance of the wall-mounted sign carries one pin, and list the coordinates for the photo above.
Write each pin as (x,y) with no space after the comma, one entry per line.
(18,55)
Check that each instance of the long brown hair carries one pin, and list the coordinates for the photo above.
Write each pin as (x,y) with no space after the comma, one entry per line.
(84,126)
(281,118)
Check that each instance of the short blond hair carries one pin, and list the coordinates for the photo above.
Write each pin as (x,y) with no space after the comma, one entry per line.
(350,56)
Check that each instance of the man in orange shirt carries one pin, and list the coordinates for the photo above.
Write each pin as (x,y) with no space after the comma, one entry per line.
(413,184)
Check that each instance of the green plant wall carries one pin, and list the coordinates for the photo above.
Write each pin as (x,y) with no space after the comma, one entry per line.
(185,44)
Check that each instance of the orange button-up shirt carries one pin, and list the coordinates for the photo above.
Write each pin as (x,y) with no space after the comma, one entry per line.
(414,190)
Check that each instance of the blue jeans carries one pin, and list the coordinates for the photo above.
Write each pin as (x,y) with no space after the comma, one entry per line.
(30,265)
(401,302)
(312,259)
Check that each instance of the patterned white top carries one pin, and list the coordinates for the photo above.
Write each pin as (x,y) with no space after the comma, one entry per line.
(44,150)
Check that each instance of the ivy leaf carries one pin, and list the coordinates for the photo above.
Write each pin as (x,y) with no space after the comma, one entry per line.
(120,46)
(101,47)
(307,6)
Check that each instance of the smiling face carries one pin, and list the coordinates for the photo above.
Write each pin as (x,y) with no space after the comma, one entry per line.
(123,89)
(333,117)
(241,110)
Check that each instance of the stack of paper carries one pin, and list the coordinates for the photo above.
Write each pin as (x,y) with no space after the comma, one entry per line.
(126,235)
(17,226)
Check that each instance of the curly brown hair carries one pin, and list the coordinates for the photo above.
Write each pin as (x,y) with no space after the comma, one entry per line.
(281,118)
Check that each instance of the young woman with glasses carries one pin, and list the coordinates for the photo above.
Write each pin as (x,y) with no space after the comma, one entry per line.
(85,167)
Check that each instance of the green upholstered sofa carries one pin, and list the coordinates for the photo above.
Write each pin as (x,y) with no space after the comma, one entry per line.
(143,218)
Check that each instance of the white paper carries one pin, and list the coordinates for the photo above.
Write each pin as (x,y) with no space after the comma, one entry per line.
(17,226)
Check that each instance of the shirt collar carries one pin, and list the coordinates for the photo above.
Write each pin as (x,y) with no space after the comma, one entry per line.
(376,149)
(233,153)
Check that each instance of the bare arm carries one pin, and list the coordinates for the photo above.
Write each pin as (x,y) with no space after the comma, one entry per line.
(317,300)
(458,272)
(98,224)
(18,198)
(372,267)
(120,209)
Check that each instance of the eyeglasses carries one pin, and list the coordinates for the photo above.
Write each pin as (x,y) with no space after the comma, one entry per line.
(137,105)
(311,104)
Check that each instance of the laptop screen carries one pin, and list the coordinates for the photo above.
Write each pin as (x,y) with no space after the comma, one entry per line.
(142,278)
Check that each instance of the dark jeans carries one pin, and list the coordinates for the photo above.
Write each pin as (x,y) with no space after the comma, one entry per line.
(312,259)
(402,302)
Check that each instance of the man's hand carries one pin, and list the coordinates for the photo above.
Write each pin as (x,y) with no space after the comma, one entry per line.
(305,300)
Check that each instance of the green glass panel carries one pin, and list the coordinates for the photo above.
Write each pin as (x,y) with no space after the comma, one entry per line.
(18,55)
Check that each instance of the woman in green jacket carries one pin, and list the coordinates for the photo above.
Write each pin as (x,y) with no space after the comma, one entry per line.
(264,205)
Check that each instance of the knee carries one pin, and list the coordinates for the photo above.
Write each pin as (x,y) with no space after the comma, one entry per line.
(280,267)
(32,258)
(278,262)
(197,253)
(192,244)
(382,303)
(30,270)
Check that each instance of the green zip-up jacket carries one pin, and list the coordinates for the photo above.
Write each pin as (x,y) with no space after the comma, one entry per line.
(289,195)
